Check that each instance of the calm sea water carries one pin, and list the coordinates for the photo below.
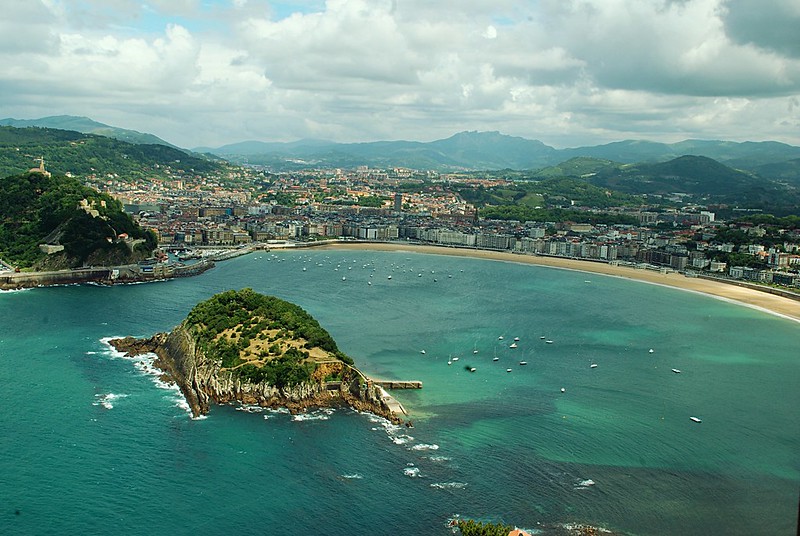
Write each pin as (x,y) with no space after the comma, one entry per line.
(91,443)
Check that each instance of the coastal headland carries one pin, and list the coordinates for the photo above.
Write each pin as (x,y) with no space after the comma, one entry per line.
(788,307)
(253,349)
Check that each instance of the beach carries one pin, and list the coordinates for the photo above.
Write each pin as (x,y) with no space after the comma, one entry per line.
(770,303)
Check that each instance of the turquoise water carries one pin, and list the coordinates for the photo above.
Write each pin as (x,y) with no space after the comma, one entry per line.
(93,444)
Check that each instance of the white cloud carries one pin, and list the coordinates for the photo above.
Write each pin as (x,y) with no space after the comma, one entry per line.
(565,71)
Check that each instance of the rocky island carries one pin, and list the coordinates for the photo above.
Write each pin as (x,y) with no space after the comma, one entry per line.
(242,346)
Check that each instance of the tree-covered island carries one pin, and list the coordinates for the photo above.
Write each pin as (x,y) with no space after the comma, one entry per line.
(242,346)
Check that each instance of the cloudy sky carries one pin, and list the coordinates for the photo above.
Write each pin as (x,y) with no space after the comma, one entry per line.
(566,72)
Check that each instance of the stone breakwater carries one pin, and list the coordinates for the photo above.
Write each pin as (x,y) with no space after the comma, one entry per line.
(202,382)
(133,273)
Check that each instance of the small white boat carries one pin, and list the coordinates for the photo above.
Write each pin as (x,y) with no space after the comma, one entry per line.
(344,279)
(496,359)
(548,341)
(304,269)
(500,338)
(542,337)
(695,419)
(508,370)
(389,277)
(593,365)
(455,359)
(516,339)
(563,390)
(676,371)
(472,369)
(449,361)
(513,345)
(475,351)
(650,351)
(419,275)
(369,282)
(422,351)
(523,362)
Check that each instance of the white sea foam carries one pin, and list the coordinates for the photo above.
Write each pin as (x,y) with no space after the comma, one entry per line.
(110,350)
(144,363)
(584,484)
(400,439)
(423,446)
(13,290)
(107,399)
(319,415)
(439,458)
(354,476)
(449,485)
(249,408)
(413,472)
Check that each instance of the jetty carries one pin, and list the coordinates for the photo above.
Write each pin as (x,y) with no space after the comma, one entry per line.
(397,384)
(394,405)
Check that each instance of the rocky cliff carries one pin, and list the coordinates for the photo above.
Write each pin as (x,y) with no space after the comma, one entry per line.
(204,381)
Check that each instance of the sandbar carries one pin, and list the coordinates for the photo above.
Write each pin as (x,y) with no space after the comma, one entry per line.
(770,303)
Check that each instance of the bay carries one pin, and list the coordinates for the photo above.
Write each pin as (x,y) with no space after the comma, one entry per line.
(92,443)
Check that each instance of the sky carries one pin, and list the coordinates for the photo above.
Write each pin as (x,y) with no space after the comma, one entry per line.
(566,72)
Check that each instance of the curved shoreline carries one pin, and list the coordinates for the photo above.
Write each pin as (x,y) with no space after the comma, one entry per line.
(762,301)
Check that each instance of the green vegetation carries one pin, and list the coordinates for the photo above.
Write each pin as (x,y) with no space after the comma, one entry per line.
(87,155)
(248,316)
(36,209)
(554,193)
(470,527)
(525,213)
(787,222)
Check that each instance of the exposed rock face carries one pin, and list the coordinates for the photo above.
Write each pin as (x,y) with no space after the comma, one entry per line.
(202,382)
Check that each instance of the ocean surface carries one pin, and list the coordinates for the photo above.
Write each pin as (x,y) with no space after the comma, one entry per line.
(93,443)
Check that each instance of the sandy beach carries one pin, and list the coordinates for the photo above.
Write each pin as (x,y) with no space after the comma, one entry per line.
(764,301)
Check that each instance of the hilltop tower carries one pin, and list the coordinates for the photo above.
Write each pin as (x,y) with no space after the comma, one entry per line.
(41,168)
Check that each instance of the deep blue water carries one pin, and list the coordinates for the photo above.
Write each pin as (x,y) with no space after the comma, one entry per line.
(90,443)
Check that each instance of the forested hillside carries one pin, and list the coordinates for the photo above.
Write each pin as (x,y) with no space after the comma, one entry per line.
(58,210)
(84,155)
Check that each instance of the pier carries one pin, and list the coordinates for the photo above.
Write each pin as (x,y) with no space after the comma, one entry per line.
(398,384)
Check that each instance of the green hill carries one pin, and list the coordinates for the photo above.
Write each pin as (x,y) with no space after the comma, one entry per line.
(87,155)
(580,166)
(701,178)
(87,126)
(57,210)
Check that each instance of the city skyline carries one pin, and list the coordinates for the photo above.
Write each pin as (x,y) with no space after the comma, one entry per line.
(212,72)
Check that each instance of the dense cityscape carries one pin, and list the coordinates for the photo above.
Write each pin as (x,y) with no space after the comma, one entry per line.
(251,205)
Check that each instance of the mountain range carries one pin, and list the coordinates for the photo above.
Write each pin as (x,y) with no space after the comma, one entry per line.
(494,151)
(463,151)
